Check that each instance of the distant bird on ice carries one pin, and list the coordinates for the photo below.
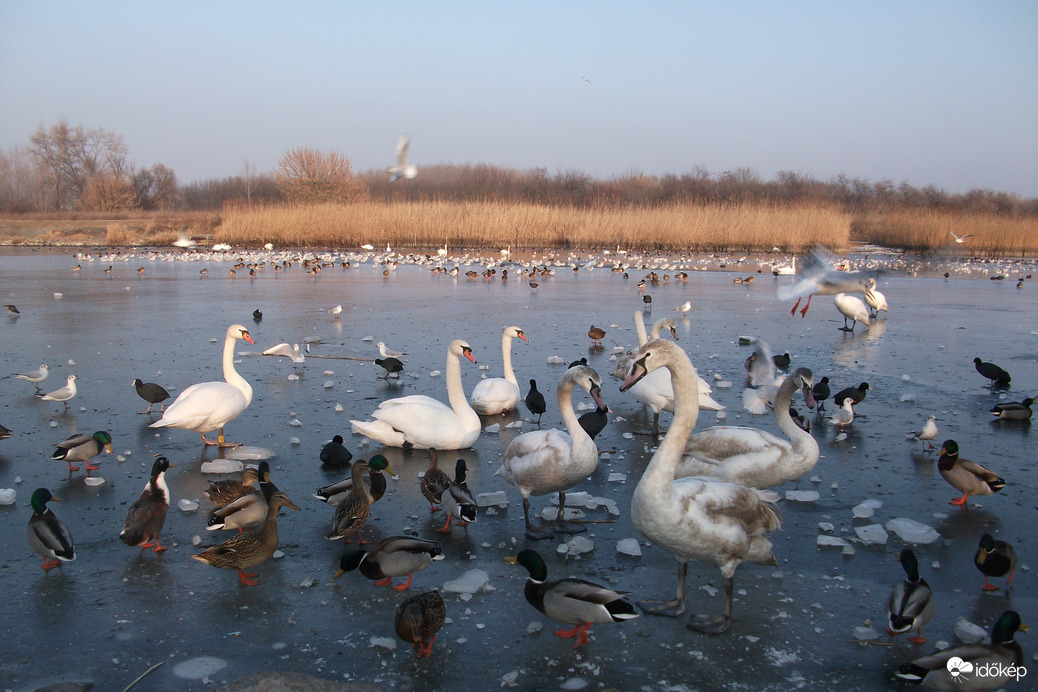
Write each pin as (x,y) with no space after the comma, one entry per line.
(684,308)
(852,308)
(184,240)
(336,311)
(388,352)
(960,239)
(997,375)
(928,432)
(402,169)
(36,376)
(64,394)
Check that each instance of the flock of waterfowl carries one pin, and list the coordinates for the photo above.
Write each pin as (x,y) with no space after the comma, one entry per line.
(704,496)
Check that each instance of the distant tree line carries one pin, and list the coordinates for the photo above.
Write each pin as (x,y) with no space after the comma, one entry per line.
(66,168)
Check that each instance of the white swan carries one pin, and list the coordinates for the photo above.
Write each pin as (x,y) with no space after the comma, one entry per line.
(852,309)
(753,457)
(546,461)
(209,406)
(695,518)
(499,394)
(420,421)
(655,390)
(875,300)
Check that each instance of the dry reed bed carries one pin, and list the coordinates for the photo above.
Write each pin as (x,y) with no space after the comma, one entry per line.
(497,224)
(925,231)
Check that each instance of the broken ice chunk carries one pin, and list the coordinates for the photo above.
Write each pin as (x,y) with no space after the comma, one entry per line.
(384,642)
(873,534)
(495,499)
(221,466)
(186,505)
(629,546)
(577,546)
(831,542)
(865,634)
(911,531)
(968,633)
(470,582)
(801,495)
(862,511)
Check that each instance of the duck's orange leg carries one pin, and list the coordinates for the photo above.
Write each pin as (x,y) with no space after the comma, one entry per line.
(918,638)
(247,578)
(960,501)
(401,587)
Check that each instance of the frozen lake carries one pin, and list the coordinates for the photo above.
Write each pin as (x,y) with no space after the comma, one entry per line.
(115,611)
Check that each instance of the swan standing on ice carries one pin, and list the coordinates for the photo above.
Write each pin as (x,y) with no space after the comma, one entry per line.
(698,517)
(499,394)
(548,461)
(209,406)
(874,299)
(853,309)
(420,421)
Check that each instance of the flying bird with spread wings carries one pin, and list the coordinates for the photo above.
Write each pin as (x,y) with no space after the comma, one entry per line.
(402,169)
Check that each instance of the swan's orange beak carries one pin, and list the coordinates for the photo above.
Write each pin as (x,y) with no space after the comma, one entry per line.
(522,336)
(245,335)
(468,354)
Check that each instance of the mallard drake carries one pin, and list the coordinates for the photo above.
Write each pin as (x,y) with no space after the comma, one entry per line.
(353,512)
(246,512)
(418,619)
(83,448)
(374,483)
(5,433)
(434,482)
(146,516)
(911,602)
(223,493)
(335,454)
(995,559)
(1013,410)
(392,557)
(572,601)
(952,668)
(250,549)
(966,476)
(152,393)
(997,375)
(535,401)
(457,500)
(48,536)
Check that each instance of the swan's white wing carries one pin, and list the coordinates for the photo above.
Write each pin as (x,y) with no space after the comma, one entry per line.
(531,460)
(494,395)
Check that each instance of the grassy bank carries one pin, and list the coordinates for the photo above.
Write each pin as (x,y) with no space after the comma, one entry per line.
(496,224)
(479,225)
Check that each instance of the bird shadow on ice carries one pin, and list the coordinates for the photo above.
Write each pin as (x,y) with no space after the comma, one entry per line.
(1019,427)
(967,526)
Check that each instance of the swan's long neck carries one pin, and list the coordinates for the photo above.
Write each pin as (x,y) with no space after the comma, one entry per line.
(657,327)
(506,356)
(456,393)
(659,475)
(800,438)
(577,435)
(230,374)
(639,327)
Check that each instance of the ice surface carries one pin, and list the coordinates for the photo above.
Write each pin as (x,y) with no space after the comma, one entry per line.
(94,480)
(472,581)
(574,684)
(576,546)
(7,496)
(493,428)
(198,668)
(865,634)
(831,542)
(186,505)
(968,633)
(911,531)
(222,466)
(873,534)
(617,477)
(495,499)
(826,526)
(248,453)
(801,495)
(383,642)
(862,511)
(629,546)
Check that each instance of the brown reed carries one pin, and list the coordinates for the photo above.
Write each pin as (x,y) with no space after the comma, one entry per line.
(756,226)
(932,231)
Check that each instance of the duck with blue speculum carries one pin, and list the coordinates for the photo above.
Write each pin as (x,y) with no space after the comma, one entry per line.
(457,500)
(374,483)
(47,535)
(911,603)
(223,493)
(571,601)
(352,513)
(246,550)
(83,448)
(247,511)
(395,556)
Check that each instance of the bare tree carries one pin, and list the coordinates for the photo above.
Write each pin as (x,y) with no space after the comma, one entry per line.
(108,192)
(70,157)
(156,188)
(308,176)
(20,184)
(248,179)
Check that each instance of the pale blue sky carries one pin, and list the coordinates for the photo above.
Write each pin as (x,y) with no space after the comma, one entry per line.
(942,93)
